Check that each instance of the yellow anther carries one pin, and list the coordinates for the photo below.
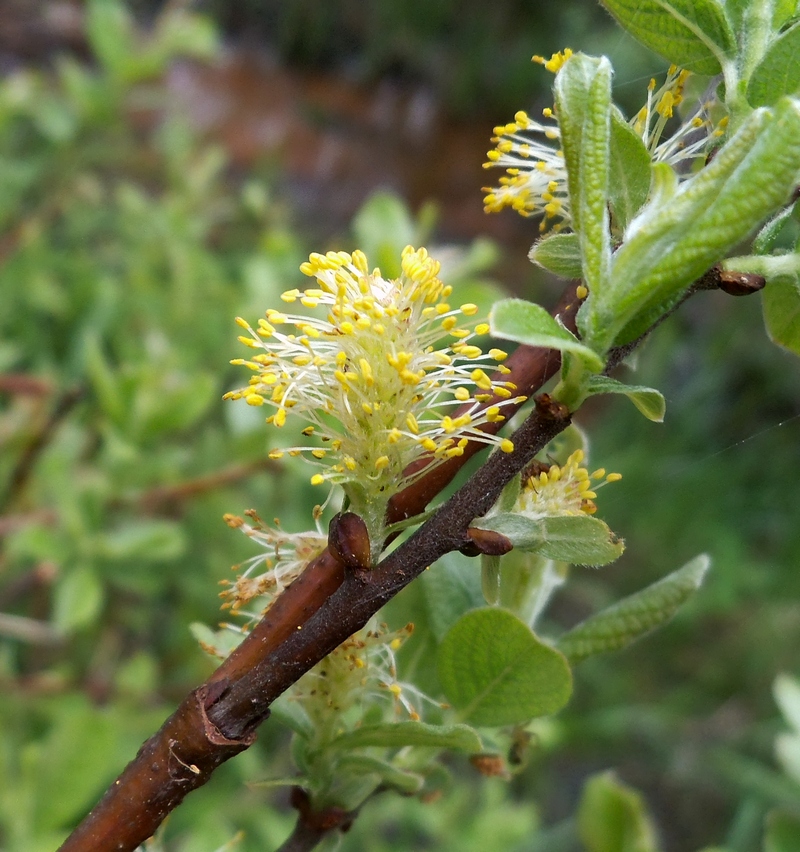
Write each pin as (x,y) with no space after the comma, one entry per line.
(493,415)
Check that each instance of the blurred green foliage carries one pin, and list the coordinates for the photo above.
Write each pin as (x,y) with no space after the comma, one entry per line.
(469,53)
(127,251)
(127,247)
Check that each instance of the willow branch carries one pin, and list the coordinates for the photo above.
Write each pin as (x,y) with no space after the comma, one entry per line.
(202,732)
(316,613)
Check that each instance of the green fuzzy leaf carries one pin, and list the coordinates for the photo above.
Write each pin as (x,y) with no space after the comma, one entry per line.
(528,323)
(559,254)
(632,617)
(778,73)
(387,774)
(781,300)
(595,231)
(290,713)
(495,671)
(613,817)
(649,401)
(450,588)
(578,539)
(583,103)
(629,178)
(675,239)
(769,233)
(509,495)
(739,11)
(644,320)
(401,734)
(490,578)
(783,832)
(272,783)
(691,33)
(571,93)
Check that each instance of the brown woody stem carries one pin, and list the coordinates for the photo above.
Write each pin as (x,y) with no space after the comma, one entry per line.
(320,609)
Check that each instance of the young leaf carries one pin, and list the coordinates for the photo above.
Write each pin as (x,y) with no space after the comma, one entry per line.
(490,578)
(495,671)
(389,775)
(691,33)
(583,103)
(613,817)
(571,93)
(559,254)
(508,496)
(450,588)
(778,73)
(648,400)
(674,240)
(782,311)
(527,583)
(737,12)
(528,323)
(629,178)
(291,714)
(618,625)
(401,734)
(578,539)
(769,233)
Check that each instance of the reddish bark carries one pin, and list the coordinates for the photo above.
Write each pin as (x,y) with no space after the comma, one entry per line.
(318,611)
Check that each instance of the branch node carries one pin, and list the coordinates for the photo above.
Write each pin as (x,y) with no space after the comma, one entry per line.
(551,409)
(321,821)
(349,540)
(486,543)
